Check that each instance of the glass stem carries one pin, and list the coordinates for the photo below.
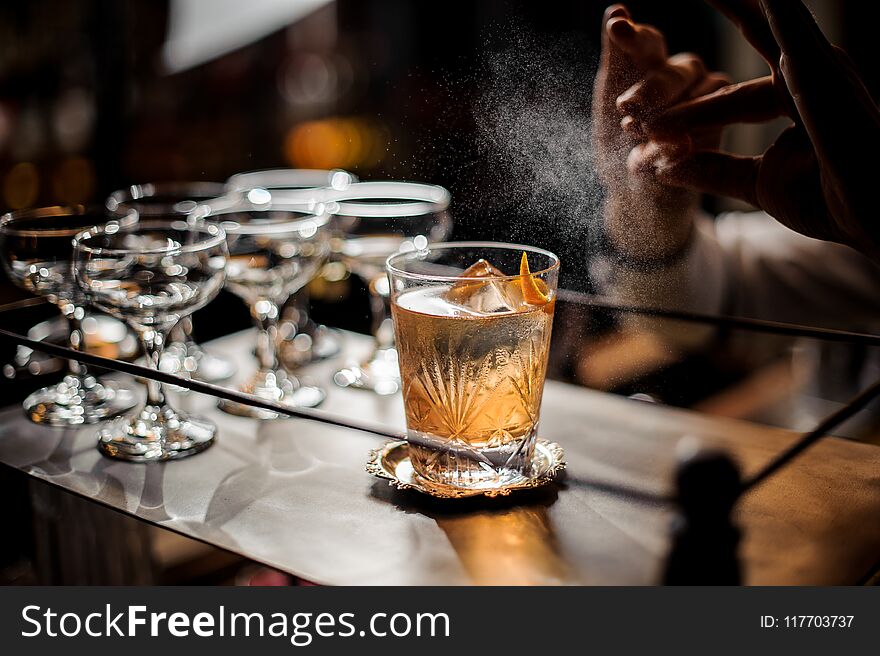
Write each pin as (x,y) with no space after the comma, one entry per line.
(153,341)
(74,315)
(299,307)
(182,332)
(265,314)
(380,305)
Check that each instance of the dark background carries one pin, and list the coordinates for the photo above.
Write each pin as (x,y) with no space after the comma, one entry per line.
(384,88)
(86,106)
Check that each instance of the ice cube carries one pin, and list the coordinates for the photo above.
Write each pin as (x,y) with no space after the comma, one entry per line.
(480,269)
(495,294)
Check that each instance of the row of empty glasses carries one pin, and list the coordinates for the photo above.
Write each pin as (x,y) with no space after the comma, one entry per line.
(159,252)
(183,356)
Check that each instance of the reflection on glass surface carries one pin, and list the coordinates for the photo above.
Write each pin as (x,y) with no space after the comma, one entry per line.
(787,381)
(513,546)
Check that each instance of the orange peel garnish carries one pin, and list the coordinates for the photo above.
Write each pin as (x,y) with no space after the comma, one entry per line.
(534,290)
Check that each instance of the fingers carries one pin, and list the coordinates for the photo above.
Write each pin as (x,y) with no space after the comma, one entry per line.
(755,101)
(609,51)
(613,60)
(710,84)
(796,32)
(615,69)
(629,50)
(834,106)
(662,86)
(748,17)
(712,172)
(643,44)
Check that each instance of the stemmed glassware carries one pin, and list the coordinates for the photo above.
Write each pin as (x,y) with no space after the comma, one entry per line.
(182,355)
(37,252)
(302,340)
(376,220)
(151,275)
(275,250)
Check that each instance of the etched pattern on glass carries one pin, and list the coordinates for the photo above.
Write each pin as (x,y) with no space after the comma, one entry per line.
(472,385)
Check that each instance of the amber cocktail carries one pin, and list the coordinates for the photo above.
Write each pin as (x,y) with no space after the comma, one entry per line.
(473,323)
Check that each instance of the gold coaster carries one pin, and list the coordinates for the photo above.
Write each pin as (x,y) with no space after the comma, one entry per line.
(392,463)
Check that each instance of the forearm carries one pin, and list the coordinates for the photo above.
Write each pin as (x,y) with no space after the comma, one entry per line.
(648,225)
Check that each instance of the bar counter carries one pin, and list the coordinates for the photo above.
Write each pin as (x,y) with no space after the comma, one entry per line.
(294,494)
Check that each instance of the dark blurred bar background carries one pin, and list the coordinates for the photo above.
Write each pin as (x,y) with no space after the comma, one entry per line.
(96,95)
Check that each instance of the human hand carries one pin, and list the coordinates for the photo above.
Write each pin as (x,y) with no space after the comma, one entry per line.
(637,80)
(818,177)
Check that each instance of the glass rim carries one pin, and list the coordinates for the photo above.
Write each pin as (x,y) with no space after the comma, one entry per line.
(216,238)
(282,178)
(311,213)
(417,198)
(392,269)
(143,193)
(128,219)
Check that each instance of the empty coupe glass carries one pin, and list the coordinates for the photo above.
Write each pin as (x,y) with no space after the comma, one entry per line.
(274,251)
(37,251)
(151,275)
(378,219)
(182,355)
(302,340)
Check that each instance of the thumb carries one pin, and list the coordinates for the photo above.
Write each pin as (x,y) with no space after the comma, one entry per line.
(614,66)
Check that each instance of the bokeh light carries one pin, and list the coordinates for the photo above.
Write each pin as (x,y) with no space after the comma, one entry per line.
(74,180)
(21,185)
(335,142)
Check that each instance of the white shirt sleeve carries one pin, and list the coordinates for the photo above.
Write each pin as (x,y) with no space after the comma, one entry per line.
(772,272)
(749,265)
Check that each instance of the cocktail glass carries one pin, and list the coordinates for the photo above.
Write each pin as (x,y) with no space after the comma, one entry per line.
(151,275)
(301,339)
(36,249)
(274,250)
(377,219)
(473,323)
(182,355)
